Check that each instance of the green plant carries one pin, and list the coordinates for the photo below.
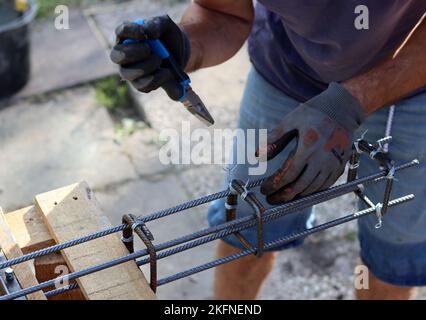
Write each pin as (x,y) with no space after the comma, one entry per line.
(47,7)
(351,236)
(112,93)
(156,141)
(129,126)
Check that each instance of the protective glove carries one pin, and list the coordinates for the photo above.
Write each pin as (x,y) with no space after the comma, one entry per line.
(144,69)
(324,127)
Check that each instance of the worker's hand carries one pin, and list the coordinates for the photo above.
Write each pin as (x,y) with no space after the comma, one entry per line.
(324,128)
(139,65)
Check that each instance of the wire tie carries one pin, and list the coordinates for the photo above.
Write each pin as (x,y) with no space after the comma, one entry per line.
(391,174)
(379,216)
(230,206)
(384,141)
(354,166)
(127,240)
(231,189)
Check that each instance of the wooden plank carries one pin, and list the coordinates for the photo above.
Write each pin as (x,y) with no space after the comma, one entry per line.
(51,266)
(73,211)
(31,234)
(23,272)
(30,231)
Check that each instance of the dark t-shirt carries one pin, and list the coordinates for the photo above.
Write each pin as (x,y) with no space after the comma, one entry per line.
(299,46)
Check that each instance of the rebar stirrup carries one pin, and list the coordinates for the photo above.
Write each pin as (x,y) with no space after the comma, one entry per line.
(249,197)
(139,227)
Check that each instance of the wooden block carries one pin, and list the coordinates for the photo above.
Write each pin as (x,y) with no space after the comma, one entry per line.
(31,234)
(73,211)
(52,266)
(30,231)
(23,272)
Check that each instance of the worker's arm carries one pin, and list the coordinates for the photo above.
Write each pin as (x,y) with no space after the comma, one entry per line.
(210,33)
(395,77)
(216,30)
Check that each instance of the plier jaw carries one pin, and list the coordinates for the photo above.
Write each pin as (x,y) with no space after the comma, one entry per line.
(193,104)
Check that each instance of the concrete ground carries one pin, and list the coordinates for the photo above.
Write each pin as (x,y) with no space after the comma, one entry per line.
(64,136)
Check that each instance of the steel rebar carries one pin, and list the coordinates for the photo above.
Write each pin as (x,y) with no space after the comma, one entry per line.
(276,243)
(269,214)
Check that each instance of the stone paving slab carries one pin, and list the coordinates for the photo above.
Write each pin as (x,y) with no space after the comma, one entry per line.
(107,18)
(46,145)
(323,267)
(65,58)
(142,148)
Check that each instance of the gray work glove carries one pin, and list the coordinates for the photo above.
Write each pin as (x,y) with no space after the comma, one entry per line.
(324,127)
(146,71)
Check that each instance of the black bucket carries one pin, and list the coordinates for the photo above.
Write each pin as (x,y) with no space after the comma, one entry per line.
(14,46)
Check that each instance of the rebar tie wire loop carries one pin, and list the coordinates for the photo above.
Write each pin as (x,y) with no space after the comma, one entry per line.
(378,152)
(127,235)
(142,231)
(231,204)
(258,209)
(218,232)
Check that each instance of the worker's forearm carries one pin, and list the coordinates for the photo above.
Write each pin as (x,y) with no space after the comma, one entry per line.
(216,29)
(395,77)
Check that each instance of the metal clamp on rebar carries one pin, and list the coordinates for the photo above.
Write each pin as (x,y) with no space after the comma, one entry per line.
(128,239)
(140,224)
(356,146)
(390,177)
(375,152)
(127,235)
(357,141)
(139,227)
(353,164)
(232,189)
(379,215)
(391,173)
(258,208)
(231,204)
(381,143)
(8,281)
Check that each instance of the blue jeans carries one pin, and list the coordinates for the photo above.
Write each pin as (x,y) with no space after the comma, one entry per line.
(395,253)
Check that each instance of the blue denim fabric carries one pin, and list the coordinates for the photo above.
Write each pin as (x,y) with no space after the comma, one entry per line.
(396,253)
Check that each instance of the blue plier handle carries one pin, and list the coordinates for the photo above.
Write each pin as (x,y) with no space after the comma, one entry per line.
(159,49)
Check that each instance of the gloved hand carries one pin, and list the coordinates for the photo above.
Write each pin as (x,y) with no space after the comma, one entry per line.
(324,127)
(139,65)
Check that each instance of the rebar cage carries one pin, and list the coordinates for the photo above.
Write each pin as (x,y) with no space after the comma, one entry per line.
(237,191)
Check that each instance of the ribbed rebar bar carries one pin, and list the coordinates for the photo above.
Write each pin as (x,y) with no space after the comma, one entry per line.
(269,214)
(276,243)
(184,247)
(58,247)
(240,224)
(105,232)
(61,290)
